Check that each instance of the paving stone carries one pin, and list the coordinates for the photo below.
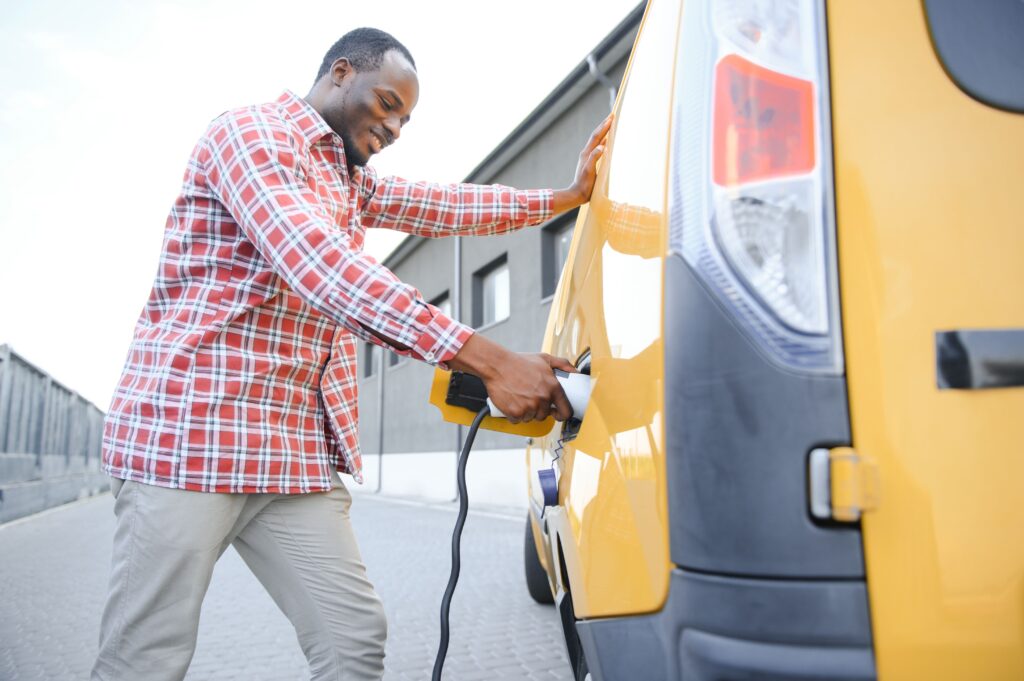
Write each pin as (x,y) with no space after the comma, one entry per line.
(54,570)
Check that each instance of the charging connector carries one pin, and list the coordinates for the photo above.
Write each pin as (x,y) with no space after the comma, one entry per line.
(468,391)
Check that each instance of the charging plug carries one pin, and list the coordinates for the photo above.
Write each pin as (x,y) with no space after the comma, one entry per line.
(576,388)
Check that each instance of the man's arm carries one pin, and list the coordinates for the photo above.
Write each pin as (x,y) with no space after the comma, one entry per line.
(438,210)
(523,385)
(434,210)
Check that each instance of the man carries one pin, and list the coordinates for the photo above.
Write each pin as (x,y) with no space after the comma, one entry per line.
(237,405)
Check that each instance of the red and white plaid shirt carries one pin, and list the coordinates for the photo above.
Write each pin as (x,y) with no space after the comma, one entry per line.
(241,376)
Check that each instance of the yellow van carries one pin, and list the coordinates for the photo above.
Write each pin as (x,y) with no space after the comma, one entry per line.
(799,291)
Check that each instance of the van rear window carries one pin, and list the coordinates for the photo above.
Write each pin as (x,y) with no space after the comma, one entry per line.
(981,46)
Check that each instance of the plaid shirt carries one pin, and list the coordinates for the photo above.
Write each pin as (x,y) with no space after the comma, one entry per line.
(241,376)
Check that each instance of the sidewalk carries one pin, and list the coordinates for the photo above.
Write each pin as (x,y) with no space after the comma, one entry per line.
(55,566)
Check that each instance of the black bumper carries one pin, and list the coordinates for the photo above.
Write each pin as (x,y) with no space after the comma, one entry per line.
(716,628)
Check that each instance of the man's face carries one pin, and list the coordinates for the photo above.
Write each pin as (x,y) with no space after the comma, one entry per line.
(368,108)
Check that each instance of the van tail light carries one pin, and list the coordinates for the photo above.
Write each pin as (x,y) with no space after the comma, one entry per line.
(763,123)
(752,205)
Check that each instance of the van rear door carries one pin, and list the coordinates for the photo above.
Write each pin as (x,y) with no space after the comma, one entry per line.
(929,173)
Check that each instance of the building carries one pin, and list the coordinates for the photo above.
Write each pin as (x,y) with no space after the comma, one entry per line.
(504,288)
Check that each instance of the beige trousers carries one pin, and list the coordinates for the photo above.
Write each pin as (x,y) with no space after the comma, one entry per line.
(301,547)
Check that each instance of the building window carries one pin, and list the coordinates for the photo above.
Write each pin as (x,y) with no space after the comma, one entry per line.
(370,359)
(491,293)
(443,303)
(367,359)
(555,241)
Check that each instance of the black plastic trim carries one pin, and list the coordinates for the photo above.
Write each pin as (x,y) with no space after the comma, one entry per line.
(706,657)
(974,360)
(725,628)
(981,48)
(738,433)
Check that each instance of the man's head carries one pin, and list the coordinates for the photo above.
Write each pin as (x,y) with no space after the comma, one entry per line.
(366,90)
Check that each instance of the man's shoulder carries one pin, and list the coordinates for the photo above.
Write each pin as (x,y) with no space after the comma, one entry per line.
(265,114)
(257,124)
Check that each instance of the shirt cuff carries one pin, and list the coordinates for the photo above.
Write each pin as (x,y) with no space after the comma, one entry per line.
(539,205)
(442,340)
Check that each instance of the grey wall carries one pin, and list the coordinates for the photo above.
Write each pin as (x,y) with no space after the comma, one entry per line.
(50,440)
(549,160)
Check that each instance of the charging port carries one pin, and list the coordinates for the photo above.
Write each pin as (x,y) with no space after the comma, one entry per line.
(572,426)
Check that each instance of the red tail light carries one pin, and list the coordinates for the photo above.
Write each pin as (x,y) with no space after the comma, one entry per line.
(763,123)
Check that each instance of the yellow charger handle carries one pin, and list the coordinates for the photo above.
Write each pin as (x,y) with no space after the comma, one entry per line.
(455,414)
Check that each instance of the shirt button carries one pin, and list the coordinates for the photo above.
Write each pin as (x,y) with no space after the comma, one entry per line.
(429,356)
(336,139)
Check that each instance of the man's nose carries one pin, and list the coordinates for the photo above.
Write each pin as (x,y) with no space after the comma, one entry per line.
(394,126)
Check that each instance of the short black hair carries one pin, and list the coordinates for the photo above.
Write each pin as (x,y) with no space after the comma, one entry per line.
(364,48)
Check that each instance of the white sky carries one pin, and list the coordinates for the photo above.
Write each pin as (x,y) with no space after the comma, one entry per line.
(103,102)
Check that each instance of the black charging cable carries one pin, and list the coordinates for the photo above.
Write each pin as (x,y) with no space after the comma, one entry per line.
(453,579)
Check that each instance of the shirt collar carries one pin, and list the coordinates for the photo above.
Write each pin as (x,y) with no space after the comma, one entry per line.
(310,123)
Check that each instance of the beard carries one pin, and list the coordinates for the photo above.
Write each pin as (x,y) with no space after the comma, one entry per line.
(354,157)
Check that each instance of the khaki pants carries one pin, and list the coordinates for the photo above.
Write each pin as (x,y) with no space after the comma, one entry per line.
(301,548)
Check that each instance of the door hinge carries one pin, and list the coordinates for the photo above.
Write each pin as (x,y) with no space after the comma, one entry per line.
(843,484)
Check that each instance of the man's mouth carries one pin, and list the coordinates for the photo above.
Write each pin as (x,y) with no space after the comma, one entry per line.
(377,142)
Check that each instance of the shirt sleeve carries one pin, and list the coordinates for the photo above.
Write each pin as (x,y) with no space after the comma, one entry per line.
(255,166)
(437,210)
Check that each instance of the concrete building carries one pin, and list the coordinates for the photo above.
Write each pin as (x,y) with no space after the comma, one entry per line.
(501,285)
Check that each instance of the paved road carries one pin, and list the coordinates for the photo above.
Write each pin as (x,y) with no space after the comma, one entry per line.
(54,567)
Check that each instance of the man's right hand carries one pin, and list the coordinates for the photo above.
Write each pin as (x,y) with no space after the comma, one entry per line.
(522,385)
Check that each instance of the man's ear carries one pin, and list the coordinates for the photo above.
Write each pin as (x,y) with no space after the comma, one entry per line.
(341,69)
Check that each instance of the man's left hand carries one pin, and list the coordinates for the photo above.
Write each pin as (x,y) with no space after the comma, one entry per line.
(586,172)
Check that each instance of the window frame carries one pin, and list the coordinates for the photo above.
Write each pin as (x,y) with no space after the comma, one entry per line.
(479,277)
(444,296)
(395,359)
(368,362)
(550,234)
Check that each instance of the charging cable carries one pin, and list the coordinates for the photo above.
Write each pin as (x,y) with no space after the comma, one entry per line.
(466,390)
(453,579)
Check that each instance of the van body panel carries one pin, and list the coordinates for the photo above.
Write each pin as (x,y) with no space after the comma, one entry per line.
(612,522)
(931,239)
(611,473)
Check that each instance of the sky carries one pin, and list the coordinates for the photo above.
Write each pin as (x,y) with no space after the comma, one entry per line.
(103,102)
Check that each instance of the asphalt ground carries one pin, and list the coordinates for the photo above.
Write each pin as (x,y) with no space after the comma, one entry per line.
(54,568)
